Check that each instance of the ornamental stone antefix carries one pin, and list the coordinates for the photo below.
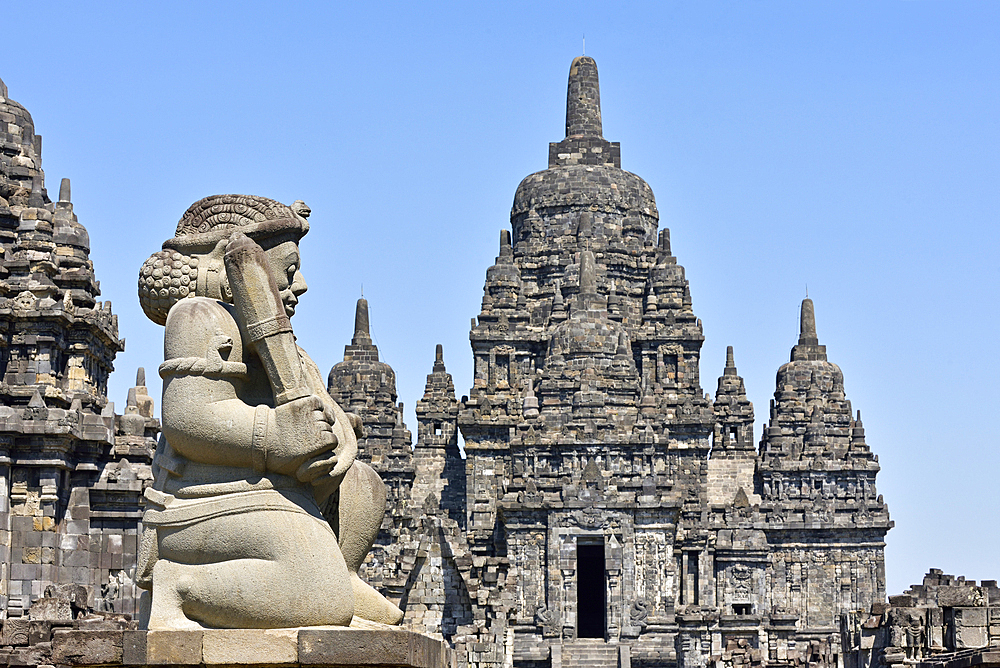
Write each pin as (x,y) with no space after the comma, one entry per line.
(260,515)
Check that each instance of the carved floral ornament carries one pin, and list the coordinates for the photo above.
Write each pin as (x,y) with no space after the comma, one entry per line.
(590,518)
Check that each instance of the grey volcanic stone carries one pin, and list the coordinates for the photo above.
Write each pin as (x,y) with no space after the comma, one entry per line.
(72,496)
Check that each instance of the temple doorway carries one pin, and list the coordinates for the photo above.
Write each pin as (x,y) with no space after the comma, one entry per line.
(591,586)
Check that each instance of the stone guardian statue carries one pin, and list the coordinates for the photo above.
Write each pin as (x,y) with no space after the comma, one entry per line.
(259,515)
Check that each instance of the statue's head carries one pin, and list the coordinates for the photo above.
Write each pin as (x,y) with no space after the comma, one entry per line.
(191,263)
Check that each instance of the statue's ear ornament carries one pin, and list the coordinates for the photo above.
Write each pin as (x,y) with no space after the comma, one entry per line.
(212,280)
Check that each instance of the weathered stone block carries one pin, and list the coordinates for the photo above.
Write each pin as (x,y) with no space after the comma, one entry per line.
(365,647)
(39,632)
(240,646)
(970,616)
(86,647)
(51,610)
(36,655)
(970,636)
(15,631)
(134,648)
(354,646)
(173,647)
(958,596)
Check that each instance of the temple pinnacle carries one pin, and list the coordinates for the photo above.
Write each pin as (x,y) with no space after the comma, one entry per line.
(807,324)
(583,99)
(362,335)
(439,359)
(3,89)
(64,191)
(506,250)
(730,369)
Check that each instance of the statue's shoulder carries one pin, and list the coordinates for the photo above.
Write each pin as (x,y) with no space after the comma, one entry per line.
(194,322)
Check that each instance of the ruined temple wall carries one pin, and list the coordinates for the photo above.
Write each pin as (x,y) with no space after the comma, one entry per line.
(821,582)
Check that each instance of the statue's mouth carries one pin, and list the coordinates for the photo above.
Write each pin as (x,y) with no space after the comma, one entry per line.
(289,300)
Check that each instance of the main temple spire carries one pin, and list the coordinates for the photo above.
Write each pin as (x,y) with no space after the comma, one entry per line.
(583,100)
(808,347)
(584,143)
(362,334)
(807,324)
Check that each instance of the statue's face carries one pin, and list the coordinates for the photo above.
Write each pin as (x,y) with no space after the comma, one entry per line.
(284,259)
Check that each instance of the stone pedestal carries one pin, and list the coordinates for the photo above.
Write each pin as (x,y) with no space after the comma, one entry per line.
(318,647)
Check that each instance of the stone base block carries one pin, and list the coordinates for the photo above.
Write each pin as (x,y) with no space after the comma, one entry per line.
(318,647)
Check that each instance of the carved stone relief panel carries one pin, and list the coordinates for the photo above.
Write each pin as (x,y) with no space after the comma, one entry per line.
(653,580)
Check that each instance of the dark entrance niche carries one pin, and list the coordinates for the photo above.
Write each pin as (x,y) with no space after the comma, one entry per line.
(590,588)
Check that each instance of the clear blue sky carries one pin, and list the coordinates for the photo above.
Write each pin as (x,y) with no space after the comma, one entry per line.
(850,146)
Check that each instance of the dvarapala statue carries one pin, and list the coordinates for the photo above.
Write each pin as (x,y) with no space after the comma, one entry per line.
(260,515)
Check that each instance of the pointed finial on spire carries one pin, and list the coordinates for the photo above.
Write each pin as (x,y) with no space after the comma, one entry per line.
(3,89)
(140,377)
(439,358)
(64,193)
(583,99)
(588,273)
(665,240)
(807,324)
(362,334)
(730,369)
(623,346)
(557,297)
(506,250)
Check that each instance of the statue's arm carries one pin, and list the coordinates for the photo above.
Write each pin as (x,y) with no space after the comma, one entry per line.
(204,418)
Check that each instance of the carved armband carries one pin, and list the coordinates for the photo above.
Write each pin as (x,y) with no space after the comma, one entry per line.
(213,364)
(199,366)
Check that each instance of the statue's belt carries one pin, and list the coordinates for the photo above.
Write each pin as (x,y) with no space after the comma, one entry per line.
(165,510)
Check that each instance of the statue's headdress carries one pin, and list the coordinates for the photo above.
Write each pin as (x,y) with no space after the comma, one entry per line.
(191,262)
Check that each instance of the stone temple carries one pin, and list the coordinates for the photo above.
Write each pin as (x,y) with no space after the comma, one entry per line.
(611,510)
(606,511)
(72,469)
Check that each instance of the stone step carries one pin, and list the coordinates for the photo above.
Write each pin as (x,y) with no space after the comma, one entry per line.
(589,654)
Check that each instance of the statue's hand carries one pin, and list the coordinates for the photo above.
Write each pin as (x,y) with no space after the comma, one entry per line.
(304,442)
